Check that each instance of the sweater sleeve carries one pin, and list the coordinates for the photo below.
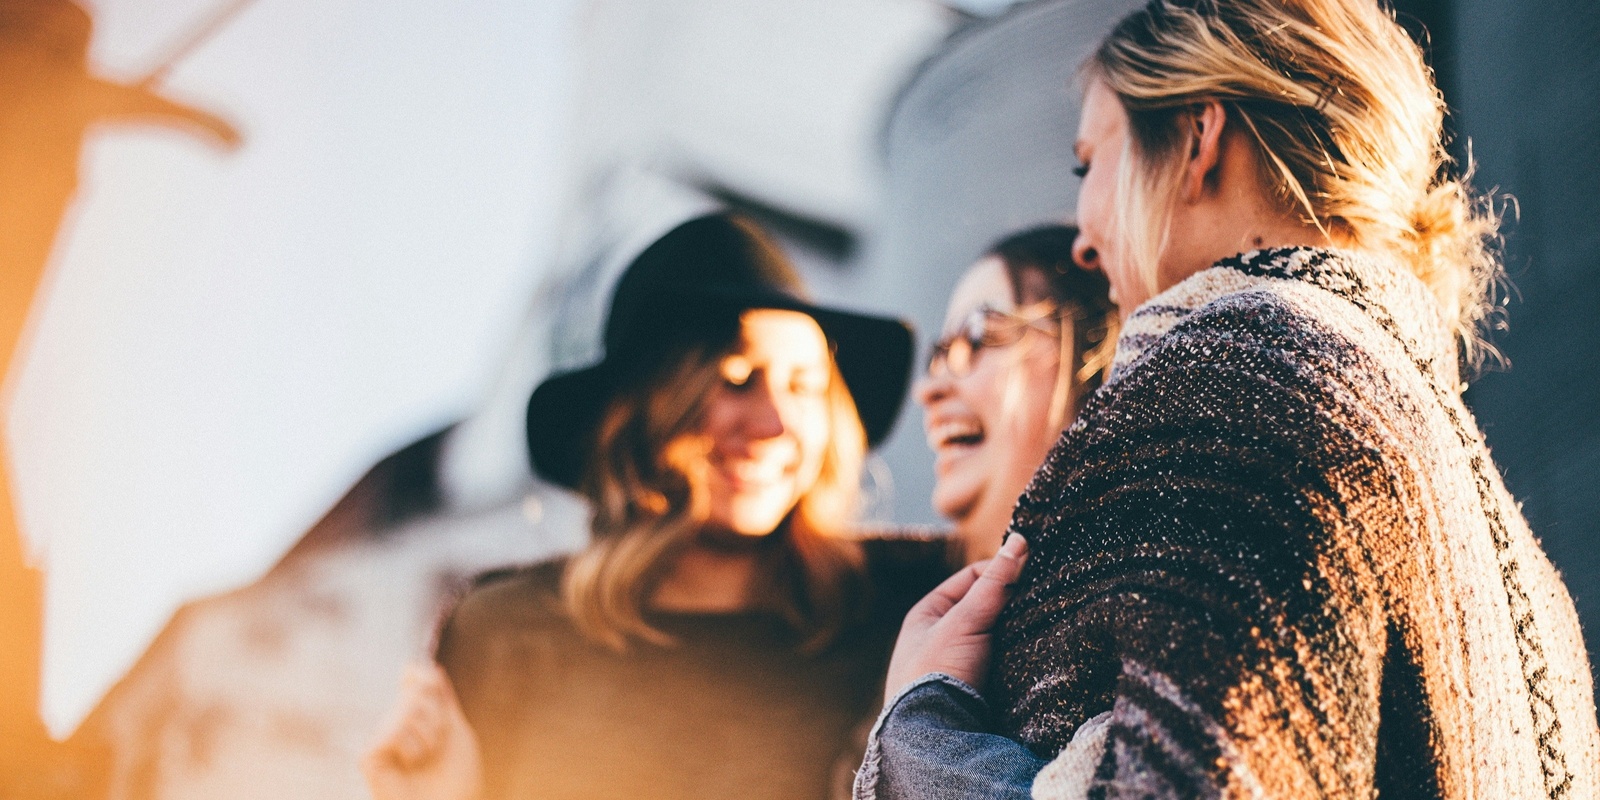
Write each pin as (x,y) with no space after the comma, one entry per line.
(1202,570)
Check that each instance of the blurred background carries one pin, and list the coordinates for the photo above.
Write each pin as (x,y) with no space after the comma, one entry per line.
(279,276)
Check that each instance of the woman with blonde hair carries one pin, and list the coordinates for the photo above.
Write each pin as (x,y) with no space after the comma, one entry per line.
(723,632)
(1273,557)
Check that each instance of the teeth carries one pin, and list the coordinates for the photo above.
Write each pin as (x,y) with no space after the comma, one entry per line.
(756,471)
(946,432)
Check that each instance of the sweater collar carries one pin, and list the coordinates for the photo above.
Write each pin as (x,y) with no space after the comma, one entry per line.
(1385,292)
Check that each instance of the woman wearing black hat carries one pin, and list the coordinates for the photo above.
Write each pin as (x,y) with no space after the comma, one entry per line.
(721,635)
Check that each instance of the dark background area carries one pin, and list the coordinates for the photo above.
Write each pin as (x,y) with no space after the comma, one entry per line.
(1523,82)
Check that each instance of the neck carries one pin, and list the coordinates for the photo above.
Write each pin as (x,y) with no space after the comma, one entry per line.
(1222,239)
(982,528)
(709,578)
(1231,213)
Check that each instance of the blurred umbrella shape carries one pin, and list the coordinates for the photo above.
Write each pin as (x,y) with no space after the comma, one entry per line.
(224,340)
(49,101)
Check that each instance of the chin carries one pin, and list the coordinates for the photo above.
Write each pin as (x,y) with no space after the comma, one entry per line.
(755,530)
(757,522)
(953,503)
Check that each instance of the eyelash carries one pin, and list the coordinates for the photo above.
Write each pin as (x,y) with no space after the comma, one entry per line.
(1081,170)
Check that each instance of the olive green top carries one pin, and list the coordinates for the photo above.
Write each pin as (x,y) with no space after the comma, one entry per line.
(731,710)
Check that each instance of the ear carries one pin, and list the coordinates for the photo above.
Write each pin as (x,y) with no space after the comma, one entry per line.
(1205,123)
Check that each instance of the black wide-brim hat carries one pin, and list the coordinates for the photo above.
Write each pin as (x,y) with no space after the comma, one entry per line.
(690,287)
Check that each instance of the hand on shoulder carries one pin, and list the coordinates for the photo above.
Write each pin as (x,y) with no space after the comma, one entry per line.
(949,630)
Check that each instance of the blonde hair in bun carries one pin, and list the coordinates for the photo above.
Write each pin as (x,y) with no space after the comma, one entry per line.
(1347,121)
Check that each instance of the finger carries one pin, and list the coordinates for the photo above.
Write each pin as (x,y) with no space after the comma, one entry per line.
(393,749)
(411,747)
(425,676)
(430,716)
(393,727)
(453,726)
(980,607)
(410,733)
(443,727)
(378,757)
(939,601)
(1006,566)
(446,690)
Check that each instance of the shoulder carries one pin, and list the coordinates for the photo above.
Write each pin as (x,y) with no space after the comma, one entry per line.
(1263,385)
(503,602)
(1254,386)
(1260,419)
(1317,310)
(1262,324)
(1256,353)
(506,645)
(534,586)
(1245,368)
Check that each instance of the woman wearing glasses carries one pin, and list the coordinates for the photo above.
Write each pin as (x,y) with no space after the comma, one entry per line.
(1028,336)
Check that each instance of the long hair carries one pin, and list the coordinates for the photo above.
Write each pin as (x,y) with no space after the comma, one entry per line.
(1044,254)
(1346,120)
(646,483)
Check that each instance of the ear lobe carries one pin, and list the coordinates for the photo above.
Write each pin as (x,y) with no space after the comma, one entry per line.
(1205,147)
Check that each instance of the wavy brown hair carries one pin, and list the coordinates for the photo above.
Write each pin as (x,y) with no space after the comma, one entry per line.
(646,484)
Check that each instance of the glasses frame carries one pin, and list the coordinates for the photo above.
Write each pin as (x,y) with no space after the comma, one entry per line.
(956,353)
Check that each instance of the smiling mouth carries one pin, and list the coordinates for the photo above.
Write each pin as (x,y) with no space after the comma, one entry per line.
(754,474)
(955,434)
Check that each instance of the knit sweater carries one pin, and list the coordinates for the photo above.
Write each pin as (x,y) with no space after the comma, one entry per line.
(1273,558)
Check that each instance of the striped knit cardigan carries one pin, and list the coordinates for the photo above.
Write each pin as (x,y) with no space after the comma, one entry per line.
(1274,559)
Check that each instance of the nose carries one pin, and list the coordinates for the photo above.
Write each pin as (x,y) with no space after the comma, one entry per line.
(932,387)
(1085,255)
(764,413)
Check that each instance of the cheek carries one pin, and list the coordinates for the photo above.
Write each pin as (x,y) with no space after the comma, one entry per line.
(719,417)
(813,431)
(1029,420)
(1091,203)
(984,390)
(1086,206)
(1096,203)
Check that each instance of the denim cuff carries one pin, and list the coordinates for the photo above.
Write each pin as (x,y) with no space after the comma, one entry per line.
(966,699)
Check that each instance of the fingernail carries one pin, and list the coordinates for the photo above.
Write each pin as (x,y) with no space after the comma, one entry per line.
(1015,545)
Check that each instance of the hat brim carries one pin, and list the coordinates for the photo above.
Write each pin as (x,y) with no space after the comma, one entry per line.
(563,414)
(873,354)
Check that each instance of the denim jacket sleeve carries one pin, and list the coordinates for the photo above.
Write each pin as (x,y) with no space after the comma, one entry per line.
(932,741)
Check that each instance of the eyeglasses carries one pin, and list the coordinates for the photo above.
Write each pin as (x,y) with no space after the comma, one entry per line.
(956,353)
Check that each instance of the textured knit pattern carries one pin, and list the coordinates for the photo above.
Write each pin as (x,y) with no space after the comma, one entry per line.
(1275,549)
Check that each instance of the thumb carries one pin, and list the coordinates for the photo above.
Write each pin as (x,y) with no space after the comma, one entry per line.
(978,610)
(1006,566)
